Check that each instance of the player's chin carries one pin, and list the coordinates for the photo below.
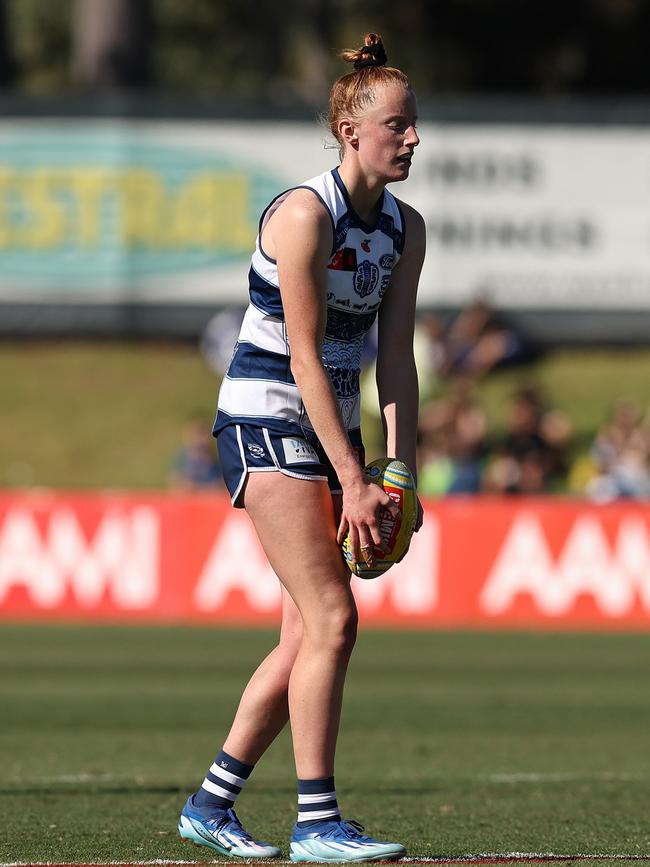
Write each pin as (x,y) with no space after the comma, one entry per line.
(402,169)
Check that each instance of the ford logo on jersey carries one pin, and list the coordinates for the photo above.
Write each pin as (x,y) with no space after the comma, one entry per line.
(366,278)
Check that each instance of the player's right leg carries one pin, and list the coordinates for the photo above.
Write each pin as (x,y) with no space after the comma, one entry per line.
(295,521)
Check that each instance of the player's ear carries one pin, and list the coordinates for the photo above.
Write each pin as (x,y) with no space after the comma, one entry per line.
(348,132)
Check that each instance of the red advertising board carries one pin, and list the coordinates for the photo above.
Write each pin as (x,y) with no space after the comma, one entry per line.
(478,562)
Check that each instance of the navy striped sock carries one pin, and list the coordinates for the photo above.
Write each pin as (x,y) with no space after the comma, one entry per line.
(317,802)
(223,782)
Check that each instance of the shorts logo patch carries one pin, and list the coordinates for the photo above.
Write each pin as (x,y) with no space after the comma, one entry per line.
(255,450)
(298,452)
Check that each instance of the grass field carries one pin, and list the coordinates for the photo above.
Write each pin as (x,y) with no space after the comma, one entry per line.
(454,743)
(110,414)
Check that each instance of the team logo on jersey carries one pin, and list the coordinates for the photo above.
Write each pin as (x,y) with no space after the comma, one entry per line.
(255,450)
(344,260)
(365,245)
(387,261)
(366,278)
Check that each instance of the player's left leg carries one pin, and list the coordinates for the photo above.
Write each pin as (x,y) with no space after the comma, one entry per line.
(264,708)
(208,818)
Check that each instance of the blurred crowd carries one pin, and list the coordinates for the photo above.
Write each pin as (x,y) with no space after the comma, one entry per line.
(531,448)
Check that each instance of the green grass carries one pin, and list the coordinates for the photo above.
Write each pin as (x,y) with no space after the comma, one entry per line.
(454,743)
(87,415)
(110,414)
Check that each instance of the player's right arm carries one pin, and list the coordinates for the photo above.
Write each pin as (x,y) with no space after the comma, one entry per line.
(299,236)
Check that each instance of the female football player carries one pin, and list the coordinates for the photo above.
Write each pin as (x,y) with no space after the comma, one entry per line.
(331,255)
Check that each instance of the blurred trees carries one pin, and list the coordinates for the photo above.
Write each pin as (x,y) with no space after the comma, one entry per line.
(111,42)
(285,52)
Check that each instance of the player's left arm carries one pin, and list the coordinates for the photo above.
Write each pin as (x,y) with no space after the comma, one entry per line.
(397,380)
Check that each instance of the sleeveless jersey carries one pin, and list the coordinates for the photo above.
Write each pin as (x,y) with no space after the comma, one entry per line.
(258,387)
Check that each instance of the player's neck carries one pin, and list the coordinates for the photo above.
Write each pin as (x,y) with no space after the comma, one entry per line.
(364,192)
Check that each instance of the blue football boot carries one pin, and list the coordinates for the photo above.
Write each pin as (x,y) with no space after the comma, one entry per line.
(222,831)
(339,841)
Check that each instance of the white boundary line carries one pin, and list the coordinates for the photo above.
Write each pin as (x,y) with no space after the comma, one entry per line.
(478,858)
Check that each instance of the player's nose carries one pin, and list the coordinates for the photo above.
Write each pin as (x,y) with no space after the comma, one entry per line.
(412,138)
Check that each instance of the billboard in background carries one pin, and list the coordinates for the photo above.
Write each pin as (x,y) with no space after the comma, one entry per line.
(542,563)
(119,212)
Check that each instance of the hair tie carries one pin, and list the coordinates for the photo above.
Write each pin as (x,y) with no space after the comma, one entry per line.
(377,56)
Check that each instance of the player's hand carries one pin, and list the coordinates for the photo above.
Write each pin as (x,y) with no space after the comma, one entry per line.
(362,505)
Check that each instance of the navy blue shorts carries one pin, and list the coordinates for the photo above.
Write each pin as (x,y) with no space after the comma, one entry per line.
(245,449)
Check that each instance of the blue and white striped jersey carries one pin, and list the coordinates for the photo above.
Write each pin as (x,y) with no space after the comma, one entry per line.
(259,387)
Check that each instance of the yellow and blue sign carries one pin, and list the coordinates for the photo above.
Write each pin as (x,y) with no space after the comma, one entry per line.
(98,208)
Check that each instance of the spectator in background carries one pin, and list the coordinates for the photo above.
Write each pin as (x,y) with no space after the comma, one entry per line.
(452,443)
(474,343)
(195,467)
(531,457)
(620,456)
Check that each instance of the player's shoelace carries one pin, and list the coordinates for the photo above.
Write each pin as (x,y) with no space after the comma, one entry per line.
(353,829)
(229,822)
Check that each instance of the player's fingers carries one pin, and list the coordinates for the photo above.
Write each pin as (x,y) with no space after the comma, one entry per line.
(392,507)
(342,531)
(367,544)
(354,542)
(374,536)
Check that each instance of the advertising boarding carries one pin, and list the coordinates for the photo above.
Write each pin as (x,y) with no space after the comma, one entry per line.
(126,212)
(488,562)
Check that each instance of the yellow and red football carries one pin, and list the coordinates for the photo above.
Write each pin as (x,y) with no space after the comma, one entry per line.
(395,478)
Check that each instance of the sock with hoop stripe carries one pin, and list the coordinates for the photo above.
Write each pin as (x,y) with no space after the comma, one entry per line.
(317,802)
(224,781)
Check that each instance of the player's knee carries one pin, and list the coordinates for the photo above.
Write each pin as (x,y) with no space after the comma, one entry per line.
(337,629)
(289,644)
(348,631)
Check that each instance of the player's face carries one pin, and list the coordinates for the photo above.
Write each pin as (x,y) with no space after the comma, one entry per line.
(387,136)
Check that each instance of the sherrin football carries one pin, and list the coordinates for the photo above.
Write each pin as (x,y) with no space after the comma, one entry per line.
(396,479)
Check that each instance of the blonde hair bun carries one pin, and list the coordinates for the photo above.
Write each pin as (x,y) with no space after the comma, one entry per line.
(371,53)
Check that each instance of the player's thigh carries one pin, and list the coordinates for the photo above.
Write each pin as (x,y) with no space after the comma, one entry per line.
(337,505)
(295,522)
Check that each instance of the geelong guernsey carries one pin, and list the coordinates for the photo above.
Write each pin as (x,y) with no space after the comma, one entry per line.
(258,387)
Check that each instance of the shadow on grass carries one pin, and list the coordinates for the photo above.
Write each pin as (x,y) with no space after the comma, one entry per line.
(135,788)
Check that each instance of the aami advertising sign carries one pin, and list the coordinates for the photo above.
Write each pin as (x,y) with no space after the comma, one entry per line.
(475,562)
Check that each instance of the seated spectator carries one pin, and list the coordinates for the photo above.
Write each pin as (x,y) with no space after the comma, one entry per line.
(620,456)
(531,457)
(195,467)
(475,342)
(452,442)
(435,467)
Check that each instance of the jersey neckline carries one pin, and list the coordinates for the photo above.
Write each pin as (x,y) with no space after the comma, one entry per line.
(338,180)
